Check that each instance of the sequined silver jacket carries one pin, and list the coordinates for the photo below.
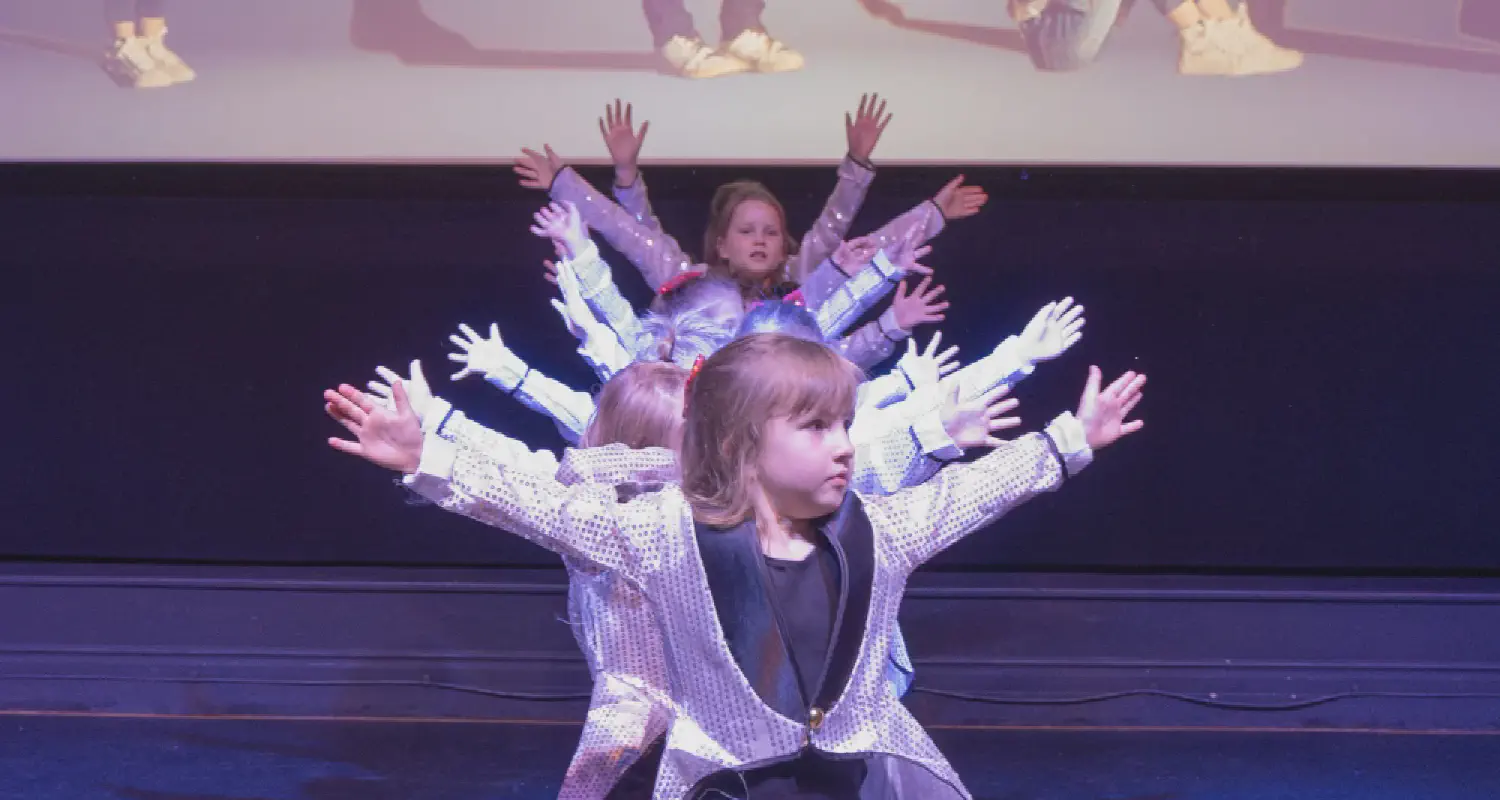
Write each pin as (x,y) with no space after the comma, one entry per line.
(730,711)
(631,227)
(630,704)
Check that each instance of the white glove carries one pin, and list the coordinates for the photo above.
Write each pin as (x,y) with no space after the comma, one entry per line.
(1052,331)
(929,366)
(599,343)
(417,390)
(487,357)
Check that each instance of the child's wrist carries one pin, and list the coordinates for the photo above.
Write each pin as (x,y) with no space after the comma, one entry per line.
(626,175)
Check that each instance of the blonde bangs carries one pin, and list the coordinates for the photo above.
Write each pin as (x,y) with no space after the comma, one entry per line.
(811,383)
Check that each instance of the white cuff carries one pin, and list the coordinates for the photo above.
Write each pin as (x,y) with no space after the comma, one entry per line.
(1072,442)
(934,439)
(437,413)
(888,270)
(438,457)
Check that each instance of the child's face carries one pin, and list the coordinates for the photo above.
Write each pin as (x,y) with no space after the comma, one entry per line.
(804,465)
(753,246)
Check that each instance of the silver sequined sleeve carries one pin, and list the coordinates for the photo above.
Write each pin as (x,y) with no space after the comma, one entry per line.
(603,296)
(636,200)
(832,225)
(1005,365)
(921,522)
(584,521)
(890,462)
(851,299)
(872,343)
(450,423)
(658,256)
(915,227)
(568,407)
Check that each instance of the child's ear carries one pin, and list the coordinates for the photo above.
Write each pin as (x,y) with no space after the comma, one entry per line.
(719,246)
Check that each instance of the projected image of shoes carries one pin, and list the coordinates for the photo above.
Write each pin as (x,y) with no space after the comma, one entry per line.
(130,64)
(1233,47)
(691,58)
(167,61)
(763,53)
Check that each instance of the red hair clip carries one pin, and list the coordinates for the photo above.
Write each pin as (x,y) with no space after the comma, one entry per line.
(677,281)
(687,387)
(795,298)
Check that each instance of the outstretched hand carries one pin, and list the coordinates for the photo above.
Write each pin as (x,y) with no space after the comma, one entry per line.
(928,366)
(957,201)
(1055,328)
(487,357)
(418,391)
(919,306)
(561,223)
(1103,413)
(538,171)
(864,128)
(974,424)
(387,437)
(623,141)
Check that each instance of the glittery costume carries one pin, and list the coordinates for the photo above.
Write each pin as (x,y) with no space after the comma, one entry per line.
(629,707)
(612,621)
(638,236)
(735,698)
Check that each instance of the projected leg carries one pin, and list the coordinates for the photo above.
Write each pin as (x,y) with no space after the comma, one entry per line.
(1064,35)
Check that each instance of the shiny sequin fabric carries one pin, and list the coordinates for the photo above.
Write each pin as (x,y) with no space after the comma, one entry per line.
(613,622)
(717,721)
(632,228)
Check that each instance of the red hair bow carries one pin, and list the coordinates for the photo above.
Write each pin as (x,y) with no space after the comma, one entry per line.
(677,281)
(687,387)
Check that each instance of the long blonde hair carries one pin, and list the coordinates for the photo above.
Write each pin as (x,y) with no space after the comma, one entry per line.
(736,392)
(727,198)
(640,407)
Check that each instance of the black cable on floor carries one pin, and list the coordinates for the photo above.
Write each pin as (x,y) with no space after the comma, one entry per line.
(453,687)
(1208,702)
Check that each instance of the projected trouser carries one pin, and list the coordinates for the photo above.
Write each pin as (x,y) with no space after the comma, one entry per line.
(1069,33)
(669,18)
(130,10)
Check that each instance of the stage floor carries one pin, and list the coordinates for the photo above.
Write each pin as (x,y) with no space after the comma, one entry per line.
(93,758)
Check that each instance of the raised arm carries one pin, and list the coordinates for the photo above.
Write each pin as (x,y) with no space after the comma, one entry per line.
(658,256)
(862,131)
(502,368)
(921,522)
(585,521)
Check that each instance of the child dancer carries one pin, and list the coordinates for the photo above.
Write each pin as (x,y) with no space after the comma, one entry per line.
(747,238)
(641,408)
(839,290)
(772,694)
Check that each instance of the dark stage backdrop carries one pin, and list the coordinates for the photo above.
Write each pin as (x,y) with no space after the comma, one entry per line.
(1321,348)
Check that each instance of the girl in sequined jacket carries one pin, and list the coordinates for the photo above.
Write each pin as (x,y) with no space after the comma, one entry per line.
(747,238)
(776,589)
(641,407)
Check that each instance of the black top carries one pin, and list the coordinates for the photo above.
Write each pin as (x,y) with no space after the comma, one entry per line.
(806,596)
